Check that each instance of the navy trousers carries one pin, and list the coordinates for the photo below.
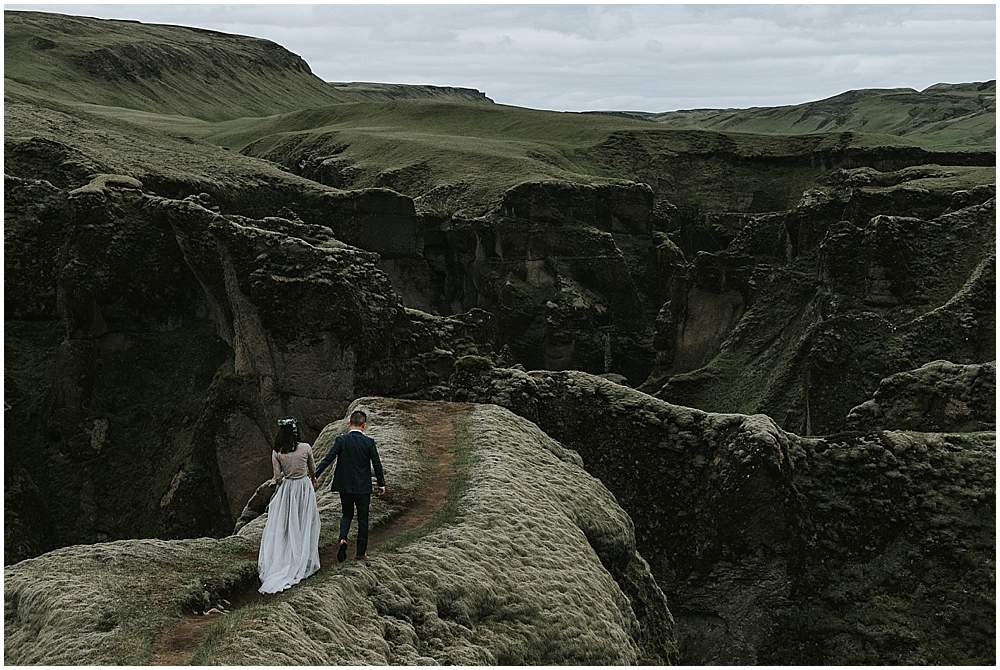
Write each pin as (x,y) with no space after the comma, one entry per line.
(348,501)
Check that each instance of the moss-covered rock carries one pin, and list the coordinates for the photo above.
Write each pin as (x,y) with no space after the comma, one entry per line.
(938,397)
(532,562)
(167,298)
(778,549)
(807,312)
(185,333)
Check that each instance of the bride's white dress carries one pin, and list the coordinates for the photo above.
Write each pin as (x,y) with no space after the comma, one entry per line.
(289,547)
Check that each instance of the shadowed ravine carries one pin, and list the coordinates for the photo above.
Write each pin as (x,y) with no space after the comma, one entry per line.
(178,643)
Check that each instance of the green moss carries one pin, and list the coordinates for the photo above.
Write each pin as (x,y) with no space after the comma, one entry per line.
(860,548)
(437,596)
(898,565)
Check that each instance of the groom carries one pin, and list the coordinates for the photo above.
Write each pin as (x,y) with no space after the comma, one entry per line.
(354,452)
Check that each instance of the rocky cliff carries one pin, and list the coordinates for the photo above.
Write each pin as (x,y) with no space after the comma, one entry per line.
(861,548)
(178,335)
(526,559)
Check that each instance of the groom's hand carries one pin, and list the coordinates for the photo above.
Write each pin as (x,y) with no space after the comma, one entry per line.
(381,491)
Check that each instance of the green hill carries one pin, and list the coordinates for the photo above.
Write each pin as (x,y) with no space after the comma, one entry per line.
(173,70)
(255,97)
(943,115)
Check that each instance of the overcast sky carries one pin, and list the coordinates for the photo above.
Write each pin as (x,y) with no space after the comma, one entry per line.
(648,57)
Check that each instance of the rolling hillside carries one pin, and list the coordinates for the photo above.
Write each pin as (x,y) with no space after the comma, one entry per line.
(442,145)
(173,70)
(943,115)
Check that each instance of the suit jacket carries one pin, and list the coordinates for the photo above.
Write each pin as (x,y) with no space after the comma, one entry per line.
(355,453)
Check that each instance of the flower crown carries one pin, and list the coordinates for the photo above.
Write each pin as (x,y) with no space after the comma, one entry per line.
(289,422)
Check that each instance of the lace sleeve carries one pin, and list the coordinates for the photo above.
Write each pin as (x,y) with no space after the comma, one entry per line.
(276,466)
(311,463)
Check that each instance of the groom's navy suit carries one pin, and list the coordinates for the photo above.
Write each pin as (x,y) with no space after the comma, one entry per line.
(356,454)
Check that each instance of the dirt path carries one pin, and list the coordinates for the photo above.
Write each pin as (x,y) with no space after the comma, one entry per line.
(178,644)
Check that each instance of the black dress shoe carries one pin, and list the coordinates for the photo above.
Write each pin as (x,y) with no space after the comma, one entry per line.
(342,552)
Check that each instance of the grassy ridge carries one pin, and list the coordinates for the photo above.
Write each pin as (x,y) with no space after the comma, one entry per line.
(173,70)
(944,115)
(166,69)
(414,146)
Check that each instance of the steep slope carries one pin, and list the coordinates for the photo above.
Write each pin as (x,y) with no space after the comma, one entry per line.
(172,69)
(805,312)
(173,336)
(943,115)
(531,561)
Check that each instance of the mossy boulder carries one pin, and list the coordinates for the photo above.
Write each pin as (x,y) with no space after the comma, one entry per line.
(937,397)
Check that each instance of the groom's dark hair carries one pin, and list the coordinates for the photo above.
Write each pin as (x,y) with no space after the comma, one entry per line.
(358,418)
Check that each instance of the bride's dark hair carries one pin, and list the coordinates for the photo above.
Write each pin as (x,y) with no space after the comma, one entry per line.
(288,436)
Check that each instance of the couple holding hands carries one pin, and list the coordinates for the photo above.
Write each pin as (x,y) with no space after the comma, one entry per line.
(289,547)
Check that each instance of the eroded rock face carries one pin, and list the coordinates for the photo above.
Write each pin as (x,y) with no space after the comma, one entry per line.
(185,334)
(615,208)
(773,548)
(563,296)
(535,563)
(806,311)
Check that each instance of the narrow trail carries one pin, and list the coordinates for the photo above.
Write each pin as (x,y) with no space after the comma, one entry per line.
(177,644)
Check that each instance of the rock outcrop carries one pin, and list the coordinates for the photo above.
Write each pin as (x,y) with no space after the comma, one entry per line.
(937,397)
(778,549)
(531,561)
(806,311)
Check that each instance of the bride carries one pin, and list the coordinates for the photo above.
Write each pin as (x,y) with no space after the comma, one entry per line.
(289,547)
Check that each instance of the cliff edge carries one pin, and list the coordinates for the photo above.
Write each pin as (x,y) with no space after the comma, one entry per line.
(527,560)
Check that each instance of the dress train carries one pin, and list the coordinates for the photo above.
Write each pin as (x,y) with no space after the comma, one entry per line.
(289,547)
